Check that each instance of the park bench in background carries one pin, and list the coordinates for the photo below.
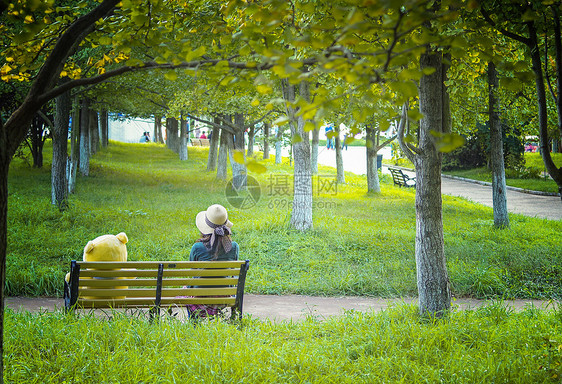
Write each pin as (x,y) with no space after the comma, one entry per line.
(401,179)
(200,142)
(156,284)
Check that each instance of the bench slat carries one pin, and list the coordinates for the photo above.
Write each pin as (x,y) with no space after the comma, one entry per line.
(144,302)
(153,273)
(167,292)
(152,282)
(154,264)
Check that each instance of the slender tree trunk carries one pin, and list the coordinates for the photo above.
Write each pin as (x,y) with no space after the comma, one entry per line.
(433,280)
(85,138)
(172,140)
(104,128)
(301,216)
(5,157)
(551,168)
(373,183)
(239,174)
(213,147)
(222,165)
(74,146)
(158,129)
(266,127)
(340,175)
(499,198)
(251,139)
(94,132)
(59,184)
(183,140)
(314,154)
(278,145)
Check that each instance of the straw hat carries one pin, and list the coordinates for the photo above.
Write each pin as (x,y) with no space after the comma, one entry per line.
(216,214)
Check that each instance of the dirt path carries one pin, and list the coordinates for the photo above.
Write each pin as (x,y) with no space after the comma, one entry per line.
(290,307)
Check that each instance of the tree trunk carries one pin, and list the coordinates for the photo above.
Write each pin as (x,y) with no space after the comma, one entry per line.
(222,165)
(157,137)
(104,128)
(340,175)
(266,141)
(36,134)
(239,174)
(183,140)
(433,280)
(251,139)
(314,149)
(74,146)
(301,216)
(213,147)
(499,198)
(5,157)
(278,145)
(373,183)
(59,184)
(551,168)
(172,141)
(85,138)
(94,132)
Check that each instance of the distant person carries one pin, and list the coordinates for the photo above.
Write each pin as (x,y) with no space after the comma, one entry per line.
(203,136)
(329,138)
(210,135)
(344,142)
(144,138)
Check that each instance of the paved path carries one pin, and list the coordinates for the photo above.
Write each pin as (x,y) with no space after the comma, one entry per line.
(546,207)
(290,307)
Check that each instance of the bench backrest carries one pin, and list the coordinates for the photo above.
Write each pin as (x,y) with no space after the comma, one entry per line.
(397,176)
(156,283)
(205,142)
(196,142)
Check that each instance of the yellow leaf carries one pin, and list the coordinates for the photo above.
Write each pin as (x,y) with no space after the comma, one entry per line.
(171,75)
(255,103)
(101,71)
(28,19)
(264,89)
(256,167)
(238,157)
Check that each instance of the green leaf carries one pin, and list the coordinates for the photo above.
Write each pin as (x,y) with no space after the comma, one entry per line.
(281,121)
(296,139)
(196,53)
(171,75)
(447,142)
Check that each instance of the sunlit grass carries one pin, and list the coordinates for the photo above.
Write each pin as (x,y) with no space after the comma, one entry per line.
(361,244)
(488,345)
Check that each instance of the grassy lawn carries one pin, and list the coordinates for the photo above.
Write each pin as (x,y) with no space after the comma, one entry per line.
(361,245)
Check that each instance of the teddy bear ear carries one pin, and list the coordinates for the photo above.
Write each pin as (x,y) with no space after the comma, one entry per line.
(122,237)
(88,248)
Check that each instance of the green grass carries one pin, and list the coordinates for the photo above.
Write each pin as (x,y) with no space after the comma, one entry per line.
(488,345)
(361,244)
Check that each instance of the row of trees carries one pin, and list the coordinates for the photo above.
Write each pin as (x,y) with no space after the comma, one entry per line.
(307,62)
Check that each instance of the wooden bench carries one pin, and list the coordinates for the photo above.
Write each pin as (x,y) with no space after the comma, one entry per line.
(401,179)
(200,142)
(156,285)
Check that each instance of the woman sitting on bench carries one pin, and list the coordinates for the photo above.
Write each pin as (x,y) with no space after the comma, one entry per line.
(215,244)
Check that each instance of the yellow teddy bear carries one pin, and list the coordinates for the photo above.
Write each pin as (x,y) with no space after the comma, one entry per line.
(106,248)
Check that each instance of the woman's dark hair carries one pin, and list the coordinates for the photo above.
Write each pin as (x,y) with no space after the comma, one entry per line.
(206,240)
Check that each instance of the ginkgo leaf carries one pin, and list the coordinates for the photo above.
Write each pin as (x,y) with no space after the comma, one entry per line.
(256,167)
(238,156)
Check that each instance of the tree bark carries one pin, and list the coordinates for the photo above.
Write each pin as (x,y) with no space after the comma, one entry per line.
(340,175)
(301,216)
(314,151)
(222,165)
(213,147)
(499,198)
(172,140)
(74,162)
(5,158)
(432,277)
(183,140)
(266,127)
(251,139)
(85,138)
(157,137)
(94,132)
(239,174)
(59,184)
(279,145)
(104,128)
(373,183)
(551,168)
